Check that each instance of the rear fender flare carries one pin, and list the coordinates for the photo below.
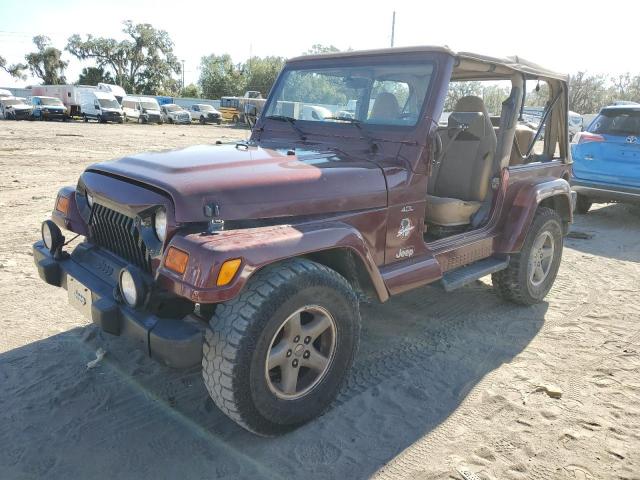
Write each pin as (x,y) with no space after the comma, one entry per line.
(553,193)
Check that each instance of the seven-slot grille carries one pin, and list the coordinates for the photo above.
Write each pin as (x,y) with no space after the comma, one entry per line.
(118,234)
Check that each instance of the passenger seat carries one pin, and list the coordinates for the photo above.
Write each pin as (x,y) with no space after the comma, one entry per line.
(523,136)
(461,182)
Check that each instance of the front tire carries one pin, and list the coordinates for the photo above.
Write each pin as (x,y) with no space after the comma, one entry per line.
(202,121)
(583,204)
(276,356)
(532,271)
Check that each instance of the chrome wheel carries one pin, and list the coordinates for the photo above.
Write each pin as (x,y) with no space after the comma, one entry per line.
(301,352)
(541,258)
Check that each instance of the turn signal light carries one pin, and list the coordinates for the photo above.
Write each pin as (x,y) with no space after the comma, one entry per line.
(176,260)
(62,204)
(228,270)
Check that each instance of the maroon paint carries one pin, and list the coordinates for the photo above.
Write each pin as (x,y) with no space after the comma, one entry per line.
(332,193)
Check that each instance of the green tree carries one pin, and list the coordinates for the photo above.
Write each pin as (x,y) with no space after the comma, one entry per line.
(94,76)
(220,77)
(16,70)
(318,49)
(457,90)
(142,63)
(191,91)
(588,93)
(46,63)
(261,73)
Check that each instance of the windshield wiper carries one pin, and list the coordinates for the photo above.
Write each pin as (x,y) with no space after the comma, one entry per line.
(291,121)
(358,124)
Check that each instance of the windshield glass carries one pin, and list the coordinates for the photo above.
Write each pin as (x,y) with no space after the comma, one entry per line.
(206,108)
(172,108)
(617,122)
(150,105)
(108,103)
(376,94)
(50,101)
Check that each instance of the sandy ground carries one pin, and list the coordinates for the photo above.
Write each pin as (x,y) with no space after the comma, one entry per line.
(443,384)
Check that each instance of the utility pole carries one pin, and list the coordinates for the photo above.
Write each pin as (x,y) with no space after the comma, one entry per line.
(182,74)
(393,27)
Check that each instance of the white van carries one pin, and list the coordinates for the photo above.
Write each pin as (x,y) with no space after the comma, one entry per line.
(100,106)
(141,109)
(116,90)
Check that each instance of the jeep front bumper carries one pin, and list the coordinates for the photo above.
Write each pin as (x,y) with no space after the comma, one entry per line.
(176,342)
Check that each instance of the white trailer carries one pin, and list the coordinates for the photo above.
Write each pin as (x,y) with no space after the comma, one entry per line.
(70,95)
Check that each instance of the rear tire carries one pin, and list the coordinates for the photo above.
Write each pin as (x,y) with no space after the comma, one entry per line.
(253,331)
(532,271)
(583,204)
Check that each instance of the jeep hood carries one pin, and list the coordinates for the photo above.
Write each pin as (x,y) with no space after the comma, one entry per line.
(254,182)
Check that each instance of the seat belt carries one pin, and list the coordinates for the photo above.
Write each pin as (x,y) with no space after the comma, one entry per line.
(437,161)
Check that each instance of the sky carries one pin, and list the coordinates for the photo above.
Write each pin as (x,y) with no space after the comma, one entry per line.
(566,36)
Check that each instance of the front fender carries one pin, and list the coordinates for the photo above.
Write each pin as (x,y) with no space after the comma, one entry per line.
(257,248)
(555,193)
(72,220)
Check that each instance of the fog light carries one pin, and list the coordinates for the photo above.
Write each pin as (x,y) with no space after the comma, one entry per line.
(132,287)
(51,236)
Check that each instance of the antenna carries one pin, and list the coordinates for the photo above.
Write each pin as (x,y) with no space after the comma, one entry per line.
(393,27)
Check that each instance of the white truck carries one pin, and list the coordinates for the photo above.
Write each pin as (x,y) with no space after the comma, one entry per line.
(71,94)
(68,94)
(141,109)
(172,113)
(205,113)
(100,106)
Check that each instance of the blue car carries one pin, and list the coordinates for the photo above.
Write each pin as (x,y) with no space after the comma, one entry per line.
(606,158)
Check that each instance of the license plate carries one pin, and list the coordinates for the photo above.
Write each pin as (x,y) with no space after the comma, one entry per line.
(79,296)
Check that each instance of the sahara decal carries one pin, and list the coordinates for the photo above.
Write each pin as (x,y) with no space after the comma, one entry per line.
(405,228)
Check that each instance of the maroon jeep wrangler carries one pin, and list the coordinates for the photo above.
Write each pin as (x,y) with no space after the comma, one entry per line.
(252,258)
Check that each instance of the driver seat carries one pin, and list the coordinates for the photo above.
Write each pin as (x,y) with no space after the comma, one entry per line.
(460,184)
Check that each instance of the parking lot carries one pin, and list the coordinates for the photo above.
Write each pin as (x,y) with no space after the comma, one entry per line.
(443,383)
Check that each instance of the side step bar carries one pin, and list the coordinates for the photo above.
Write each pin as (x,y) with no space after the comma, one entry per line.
(465,275)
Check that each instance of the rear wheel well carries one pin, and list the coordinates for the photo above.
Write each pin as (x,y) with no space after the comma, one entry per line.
(560,204)
(562,207)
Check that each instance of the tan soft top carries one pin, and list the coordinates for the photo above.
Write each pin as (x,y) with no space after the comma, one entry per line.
(468,65)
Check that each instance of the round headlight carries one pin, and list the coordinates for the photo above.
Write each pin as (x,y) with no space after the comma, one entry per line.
(132,287)
(46,236)
(90,200)
(160,225)
(51,236)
